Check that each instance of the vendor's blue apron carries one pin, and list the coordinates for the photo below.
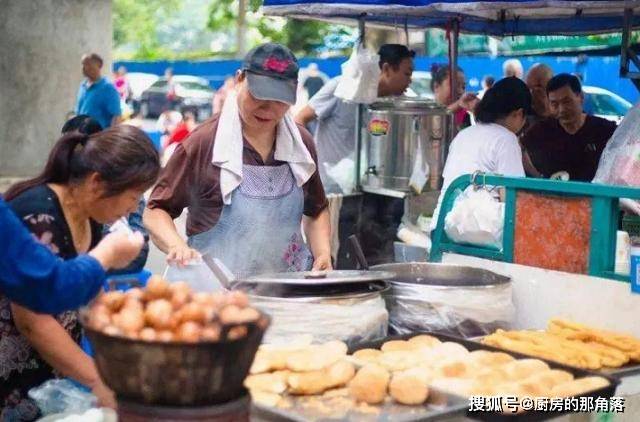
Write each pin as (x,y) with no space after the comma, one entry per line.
(259,232)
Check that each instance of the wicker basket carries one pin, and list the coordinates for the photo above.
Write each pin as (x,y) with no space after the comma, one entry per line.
(176,374)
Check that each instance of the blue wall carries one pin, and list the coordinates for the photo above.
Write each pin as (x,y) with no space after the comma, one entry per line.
(599,71)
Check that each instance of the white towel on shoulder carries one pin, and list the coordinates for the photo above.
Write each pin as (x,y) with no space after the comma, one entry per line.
(228,146)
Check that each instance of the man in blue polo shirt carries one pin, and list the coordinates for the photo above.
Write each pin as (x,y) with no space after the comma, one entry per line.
(97,97)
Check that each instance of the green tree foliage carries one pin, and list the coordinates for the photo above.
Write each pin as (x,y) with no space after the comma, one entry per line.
(135,22)
(301,36)
(140,26)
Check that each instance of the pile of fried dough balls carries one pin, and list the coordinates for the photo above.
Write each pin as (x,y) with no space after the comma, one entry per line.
(172,312)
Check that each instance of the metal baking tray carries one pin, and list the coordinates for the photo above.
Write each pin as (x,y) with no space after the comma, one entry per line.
(623,371)
(531,416)
(439,405)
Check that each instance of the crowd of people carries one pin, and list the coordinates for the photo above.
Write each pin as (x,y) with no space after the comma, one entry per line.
(251,176)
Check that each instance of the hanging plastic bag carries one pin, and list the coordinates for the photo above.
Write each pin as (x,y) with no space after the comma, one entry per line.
(620,160)
(477,218)
(360,75)
(343,174)
(420,171)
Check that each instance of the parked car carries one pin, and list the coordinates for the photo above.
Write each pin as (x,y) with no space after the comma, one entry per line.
(420,86)
(192,93)
(603,103)
(138,83)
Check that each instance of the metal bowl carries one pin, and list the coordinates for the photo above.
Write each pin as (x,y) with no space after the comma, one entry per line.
(178,374)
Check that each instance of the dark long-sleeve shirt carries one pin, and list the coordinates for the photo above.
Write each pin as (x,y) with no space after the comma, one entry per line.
(33,277)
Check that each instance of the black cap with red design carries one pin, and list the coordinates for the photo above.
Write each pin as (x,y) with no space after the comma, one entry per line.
(272,73)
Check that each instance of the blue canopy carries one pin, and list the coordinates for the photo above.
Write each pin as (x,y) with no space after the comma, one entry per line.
(491,17)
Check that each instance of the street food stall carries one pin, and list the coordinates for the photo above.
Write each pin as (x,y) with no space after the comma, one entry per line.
(533,328)
(559,244)
(496,18)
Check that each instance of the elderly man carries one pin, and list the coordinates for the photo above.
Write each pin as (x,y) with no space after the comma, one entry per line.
(570,141)
(249,179)
(512,67)
(97,97)
(537,79)
(336,129)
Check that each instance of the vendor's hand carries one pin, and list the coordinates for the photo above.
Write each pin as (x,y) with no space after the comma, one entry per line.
(117,250)
(105,396)
(322,263)
(181,254)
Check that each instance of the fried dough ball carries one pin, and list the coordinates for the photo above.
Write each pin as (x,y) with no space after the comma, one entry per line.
(424,341)
(524,368)
(551,378)
(159,314)
(157,288)
(275,382)
(399,346)
(339,374)
(210,332)
(233,314)
(112,300)
(370,384)
(188,332)
(454,368)
(148,334)
(407,388)
(129,320)
(316,357)
(399,360)
(192,312)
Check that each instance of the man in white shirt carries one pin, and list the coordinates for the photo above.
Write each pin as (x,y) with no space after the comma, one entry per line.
(336,130)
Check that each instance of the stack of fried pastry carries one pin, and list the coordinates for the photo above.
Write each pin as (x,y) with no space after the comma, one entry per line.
(403,371)
(572,344)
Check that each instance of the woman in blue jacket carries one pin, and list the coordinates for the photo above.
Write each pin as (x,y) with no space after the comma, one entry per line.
(32,276)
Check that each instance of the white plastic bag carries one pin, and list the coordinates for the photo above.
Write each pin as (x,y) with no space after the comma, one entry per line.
(360,75)
(420,172)
(61,395)
(460,311)
(477,217)
(343,174)
(352,320)
(620,160)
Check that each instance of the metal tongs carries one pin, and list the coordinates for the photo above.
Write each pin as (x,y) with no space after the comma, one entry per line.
(221,271)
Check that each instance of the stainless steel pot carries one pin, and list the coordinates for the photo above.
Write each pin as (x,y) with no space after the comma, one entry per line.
(396,132)
(452,299)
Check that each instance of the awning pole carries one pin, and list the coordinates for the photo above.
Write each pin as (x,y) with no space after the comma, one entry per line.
(360,111)
(627,55)
(453,56)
